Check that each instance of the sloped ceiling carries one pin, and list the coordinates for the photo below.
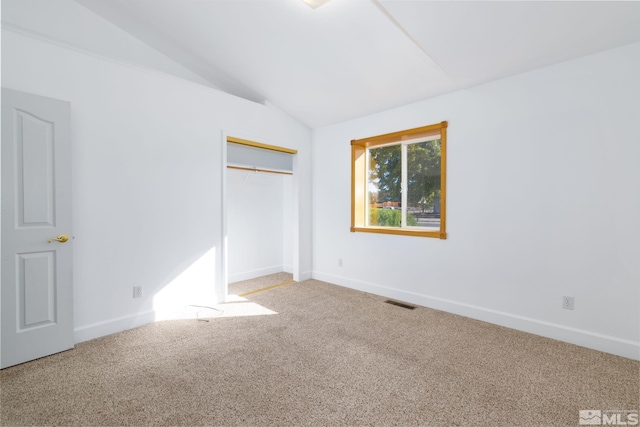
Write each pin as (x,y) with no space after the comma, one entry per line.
(350,58)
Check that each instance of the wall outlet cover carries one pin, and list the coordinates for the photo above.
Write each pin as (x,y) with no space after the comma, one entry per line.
(137,291)
(567,302)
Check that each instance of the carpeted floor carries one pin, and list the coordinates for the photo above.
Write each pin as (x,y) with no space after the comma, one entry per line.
(249,286)
(329,357)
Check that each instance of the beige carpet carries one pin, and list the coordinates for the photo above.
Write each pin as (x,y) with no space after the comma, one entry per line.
(330,357)
(247,286)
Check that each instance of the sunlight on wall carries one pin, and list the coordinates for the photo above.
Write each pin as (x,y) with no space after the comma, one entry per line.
(194,286)
(191,295)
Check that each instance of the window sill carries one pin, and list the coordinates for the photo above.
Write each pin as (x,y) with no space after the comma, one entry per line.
(401,231)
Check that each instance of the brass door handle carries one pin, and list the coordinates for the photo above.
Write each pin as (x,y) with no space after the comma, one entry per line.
(61,238)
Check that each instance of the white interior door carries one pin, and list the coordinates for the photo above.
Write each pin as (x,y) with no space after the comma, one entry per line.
(37,291)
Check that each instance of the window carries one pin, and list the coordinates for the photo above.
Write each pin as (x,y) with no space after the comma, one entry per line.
(398,182)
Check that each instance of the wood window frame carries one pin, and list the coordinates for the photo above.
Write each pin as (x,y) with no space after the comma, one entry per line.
(359,180)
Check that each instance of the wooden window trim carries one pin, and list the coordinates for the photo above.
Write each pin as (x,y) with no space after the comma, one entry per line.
(359,179)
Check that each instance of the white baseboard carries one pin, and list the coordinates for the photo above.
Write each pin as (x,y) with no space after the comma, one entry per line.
(247,275)
(592,340)
(119,324)
(112,326)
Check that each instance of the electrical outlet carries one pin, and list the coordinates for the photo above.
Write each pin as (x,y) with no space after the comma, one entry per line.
(339,262)
(137,291)
(567,303)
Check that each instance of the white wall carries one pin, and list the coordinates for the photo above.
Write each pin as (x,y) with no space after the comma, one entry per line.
(146,178)
(68,22)
(543,201)
(256,229)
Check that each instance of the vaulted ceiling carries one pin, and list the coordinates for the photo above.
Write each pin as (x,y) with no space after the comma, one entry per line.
(349,58)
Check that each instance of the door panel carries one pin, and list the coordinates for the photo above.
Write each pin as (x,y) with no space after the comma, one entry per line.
(34,170)
(37,289)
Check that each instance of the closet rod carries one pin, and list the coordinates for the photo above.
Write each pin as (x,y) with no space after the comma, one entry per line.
(258,170)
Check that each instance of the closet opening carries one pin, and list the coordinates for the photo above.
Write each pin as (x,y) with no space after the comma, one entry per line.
(259,215)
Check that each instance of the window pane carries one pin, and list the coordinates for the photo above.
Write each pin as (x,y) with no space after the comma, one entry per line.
(423,187)
(384,186)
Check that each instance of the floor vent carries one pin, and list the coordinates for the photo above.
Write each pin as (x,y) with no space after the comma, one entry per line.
(400,304)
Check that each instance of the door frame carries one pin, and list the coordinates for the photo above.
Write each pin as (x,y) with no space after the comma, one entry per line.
(222,288)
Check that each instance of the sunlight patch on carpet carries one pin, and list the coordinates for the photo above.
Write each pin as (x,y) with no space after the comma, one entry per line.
(235,307)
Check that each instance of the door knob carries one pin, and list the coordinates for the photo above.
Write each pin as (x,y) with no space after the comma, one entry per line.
(61,238)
